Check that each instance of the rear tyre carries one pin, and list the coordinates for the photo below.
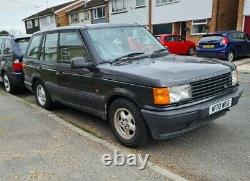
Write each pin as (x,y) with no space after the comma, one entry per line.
(127,123)
(230,56)
(191,51)
(42,96)
(8,85)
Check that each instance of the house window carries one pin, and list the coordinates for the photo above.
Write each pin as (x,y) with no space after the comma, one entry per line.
(140,3)
(29,24)
(36,22)
(119,6)
(86,15)
(99,12)
(160,2)
(199,26)
(74,18)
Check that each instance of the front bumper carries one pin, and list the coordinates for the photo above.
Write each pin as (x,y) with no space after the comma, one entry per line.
(172,123)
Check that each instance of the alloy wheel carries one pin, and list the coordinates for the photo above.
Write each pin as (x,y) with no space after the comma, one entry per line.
(6,82)
(41,95)
(191,51)
(230,56)
(124,123)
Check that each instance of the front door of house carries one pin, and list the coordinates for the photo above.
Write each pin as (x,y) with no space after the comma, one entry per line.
(247,25)
(183,30)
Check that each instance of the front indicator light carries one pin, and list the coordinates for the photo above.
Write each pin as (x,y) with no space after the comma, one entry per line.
(161,96)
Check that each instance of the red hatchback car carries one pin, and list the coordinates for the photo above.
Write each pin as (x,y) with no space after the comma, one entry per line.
(177,45)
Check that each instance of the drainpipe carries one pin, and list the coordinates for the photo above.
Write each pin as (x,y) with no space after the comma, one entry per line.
(150,15)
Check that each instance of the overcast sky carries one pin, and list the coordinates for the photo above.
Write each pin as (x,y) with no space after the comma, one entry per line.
(12,12)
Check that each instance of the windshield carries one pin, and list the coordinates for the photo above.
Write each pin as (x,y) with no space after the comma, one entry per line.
(22,44)
(112,43)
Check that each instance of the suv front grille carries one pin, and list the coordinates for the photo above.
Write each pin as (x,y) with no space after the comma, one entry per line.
(211,87)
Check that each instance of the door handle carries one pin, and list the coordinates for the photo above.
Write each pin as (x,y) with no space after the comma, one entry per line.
(58,73)
(38,68)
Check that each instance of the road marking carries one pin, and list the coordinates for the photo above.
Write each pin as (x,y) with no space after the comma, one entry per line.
(158,169)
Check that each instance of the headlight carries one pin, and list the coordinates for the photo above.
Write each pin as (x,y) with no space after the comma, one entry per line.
(180,93)
(235,77)
(164,96)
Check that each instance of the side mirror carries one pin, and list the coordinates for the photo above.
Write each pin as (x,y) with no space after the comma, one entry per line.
(80,62)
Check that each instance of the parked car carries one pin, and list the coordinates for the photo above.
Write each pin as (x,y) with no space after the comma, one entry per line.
(11,56)
(224,45)
(120,72)
(177,44)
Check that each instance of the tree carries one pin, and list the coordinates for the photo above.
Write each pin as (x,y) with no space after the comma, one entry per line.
(3,32)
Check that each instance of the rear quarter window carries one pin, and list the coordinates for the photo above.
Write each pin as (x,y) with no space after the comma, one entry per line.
(34,47)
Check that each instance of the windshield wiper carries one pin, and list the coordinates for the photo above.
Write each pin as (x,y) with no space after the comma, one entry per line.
(158,52)
(125,57)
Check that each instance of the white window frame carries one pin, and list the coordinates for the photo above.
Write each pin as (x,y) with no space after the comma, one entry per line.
(114,6)
(140,5)
(29,24)
(84,15)
(95,12)
(200,23)
(74,17)
(164,2)
(36,22)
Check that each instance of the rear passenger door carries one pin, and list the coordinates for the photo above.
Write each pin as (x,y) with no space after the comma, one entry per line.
(31,61)
(48,62)
(244,43)
(75,83)
(236,43)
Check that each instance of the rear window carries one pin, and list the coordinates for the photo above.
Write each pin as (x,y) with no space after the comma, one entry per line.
(211,38)
(22,44)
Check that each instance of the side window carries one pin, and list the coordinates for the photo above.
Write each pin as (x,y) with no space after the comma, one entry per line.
(1,46)
(179,38)
(34,47)
(7,47)
(71,46)
(242,36)
(232,36)
(50,47)
(170,38)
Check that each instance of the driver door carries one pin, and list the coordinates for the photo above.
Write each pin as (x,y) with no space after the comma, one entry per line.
(76,84)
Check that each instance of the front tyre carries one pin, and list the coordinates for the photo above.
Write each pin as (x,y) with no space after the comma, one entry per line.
(127,123)
(230,56)
(42,96)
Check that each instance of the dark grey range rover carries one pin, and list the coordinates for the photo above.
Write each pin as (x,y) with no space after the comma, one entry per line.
(120,72)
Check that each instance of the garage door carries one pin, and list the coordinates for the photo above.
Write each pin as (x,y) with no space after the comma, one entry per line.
(247,25)
(162,29)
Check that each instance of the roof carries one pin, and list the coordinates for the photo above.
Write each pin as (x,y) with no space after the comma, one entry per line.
(89,5)
(93,26)
(49,11)
(22,37)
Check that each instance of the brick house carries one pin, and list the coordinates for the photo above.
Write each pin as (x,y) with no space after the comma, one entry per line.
(243,23)
(50,18)
(194,18)
(94,11)
(189,18)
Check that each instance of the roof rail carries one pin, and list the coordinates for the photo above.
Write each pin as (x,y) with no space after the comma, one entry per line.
(10,35)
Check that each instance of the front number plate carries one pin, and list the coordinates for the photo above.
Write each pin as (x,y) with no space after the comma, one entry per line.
(220,106)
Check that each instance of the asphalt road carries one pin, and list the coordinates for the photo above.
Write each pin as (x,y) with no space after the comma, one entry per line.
(217,151)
